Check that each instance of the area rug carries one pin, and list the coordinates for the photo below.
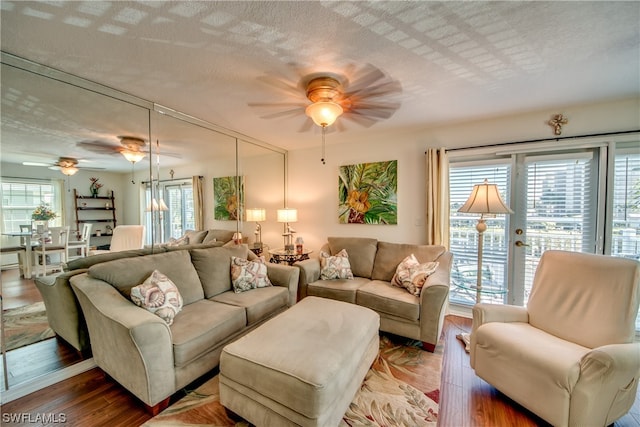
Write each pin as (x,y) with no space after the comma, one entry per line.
(402,388)
(26,325)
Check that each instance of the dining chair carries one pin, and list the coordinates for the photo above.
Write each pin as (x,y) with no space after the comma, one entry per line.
(82,244)
(55,243)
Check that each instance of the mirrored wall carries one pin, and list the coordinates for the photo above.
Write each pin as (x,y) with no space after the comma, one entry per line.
(48,115)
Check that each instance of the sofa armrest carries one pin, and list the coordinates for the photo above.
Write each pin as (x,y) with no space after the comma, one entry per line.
(608,377)
(485,313)
(63,311)
(309,273)
(434,300)
(128,342)
(286,276)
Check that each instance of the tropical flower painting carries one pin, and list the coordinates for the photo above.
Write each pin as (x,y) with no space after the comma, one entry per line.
(228,196)
(367,193)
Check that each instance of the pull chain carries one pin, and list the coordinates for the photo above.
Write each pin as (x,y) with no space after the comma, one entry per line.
(324,130)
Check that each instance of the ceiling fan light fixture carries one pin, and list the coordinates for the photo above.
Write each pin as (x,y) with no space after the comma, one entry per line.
(324,113)
(133,156)
(68,170)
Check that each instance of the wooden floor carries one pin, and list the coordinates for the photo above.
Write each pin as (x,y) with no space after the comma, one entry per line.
(94,399)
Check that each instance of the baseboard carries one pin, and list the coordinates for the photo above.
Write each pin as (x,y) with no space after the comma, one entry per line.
(460,310)
(45,381)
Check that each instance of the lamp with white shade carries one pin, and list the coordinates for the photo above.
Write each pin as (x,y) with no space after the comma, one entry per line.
(257,215)
(484,199)
(286,216)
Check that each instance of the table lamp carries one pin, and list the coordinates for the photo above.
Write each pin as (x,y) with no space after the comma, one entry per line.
(286,216)
(257,215)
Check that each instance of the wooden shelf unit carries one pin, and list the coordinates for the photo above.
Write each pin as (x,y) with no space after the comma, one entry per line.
(91,209)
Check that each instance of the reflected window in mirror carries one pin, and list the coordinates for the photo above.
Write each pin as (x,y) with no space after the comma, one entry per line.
(173,210)
(21,197)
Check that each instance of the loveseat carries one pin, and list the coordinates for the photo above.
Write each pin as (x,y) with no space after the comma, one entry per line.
(63,310)
(373,265)
(154,359)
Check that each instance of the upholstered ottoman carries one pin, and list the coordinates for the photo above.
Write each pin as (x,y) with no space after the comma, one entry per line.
(303,367)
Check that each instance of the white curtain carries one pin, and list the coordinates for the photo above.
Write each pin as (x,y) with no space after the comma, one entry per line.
(59,202)
(437,197)
(198,202)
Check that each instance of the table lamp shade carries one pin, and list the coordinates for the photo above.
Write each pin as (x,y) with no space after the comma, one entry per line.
(256,214)
(287,215)
(485,199)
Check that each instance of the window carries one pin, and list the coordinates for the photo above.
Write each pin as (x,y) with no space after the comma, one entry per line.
(464,237)
(179,216)
(21,196)
(582,197)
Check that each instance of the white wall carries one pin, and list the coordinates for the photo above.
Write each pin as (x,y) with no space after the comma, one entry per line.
(313,187)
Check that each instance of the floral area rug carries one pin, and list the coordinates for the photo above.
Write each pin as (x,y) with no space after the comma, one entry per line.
(402,388)
(26,325)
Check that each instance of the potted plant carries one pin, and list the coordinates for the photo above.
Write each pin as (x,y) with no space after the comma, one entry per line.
(41,217)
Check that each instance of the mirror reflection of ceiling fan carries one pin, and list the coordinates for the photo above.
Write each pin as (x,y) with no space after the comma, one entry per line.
(132,148)
(66,165)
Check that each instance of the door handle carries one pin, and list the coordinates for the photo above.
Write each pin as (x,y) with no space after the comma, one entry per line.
(520,243)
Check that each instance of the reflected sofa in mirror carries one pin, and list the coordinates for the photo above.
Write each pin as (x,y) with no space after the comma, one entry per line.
(45,118)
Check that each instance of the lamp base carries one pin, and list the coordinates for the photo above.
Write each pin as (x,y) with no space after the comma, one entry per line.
(465,337)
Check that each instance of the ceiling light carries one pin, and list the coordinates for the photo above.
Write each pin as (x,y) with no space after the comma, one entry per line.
(68,170)
(132,156)
(324,113)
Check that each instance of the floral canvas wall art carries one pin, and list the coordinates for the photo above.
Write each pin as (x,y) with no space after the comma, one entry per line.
(228,196)
(367,193)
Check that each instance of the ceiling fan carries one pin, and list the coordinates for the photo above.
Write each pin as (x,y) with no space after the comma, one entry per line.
(364,95)
(132,148)
(66,165)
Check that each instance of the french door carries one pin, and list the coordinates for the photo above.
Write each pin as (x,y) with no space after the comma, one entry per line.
(554,197)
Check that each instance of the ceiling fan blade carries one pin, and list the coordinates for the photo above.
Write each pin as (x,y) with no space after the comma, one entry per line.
(286,113)
(281,84)
(99,147)
(360,119)
(306,126)
(364,78)
(276,104)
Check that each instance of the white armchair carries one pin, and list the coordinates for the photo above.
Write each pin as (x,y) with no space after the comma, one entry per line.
(124,237)
(569,356)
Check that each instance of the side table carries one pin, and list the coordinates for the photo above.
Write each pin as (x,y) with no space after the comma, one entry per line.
(282,256)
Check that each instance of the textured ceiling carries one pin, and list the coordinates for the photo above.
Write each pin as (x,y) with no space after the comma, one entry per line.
(454,61)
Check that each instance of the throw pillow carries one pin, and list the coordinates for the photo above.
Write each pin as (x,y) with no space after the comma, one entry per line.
(418,276)
(335,267)
(403,270)
(247,275)
(159,295)
(179,241)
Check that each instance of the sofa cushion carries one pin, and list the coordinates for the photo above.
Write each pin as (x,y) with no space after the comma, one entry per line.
(247,275)
(158,295)
(338,289)
(213,266)
(195,237)
(361,250)
(259,303)
(218,236)
(123,274)
(203,325)
(382,297)
(389,255)
(335,267)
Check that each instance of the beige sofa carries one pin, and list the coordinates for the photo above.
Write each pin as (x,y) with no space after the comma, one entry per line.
(63,310)
(152,359)
(373,264)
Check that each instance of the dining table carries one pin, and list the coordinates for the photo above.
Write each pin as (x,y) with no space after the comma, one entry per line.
(28,250)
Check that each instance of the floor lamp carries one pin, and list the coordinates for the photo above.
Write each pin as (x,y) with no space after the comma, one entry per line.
(484,199)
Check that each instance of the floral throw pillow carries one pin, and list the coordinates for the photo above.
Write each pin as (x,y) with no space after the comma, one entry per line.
(403,271)
(335,267)
(411,275)
(247,275)
(159,295)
